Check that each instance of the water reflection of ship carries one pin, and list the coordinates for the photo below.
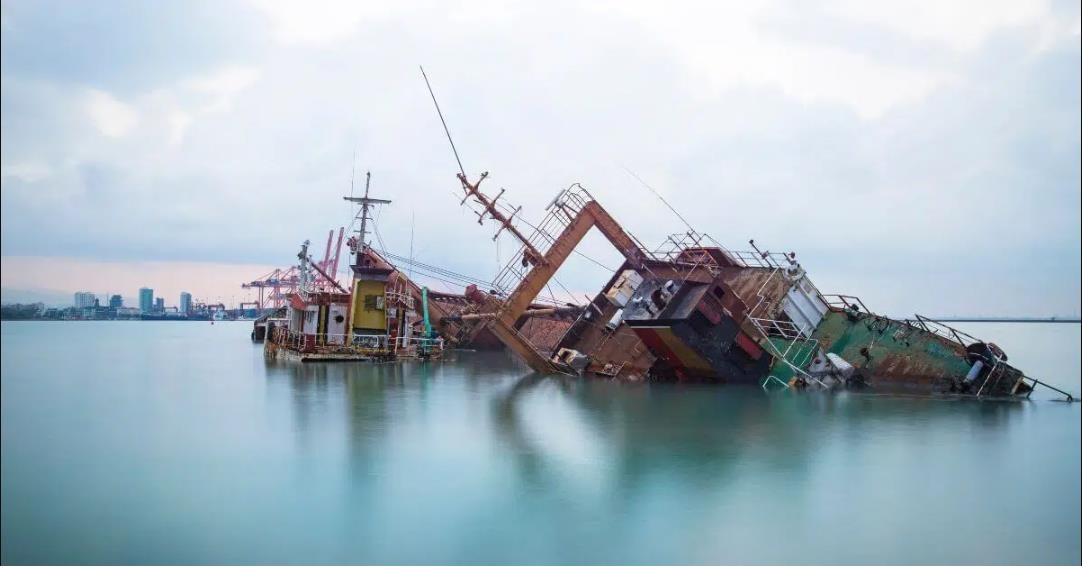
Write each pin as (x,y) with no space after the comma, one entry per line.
(703,434)
(614,438)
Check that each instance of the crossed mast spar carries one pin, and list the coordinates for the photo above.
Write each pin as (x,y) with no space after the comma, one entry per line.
(366,203)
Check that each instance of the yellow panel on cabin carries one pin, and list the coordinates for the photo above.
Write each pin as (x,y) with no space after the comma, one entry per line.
(368,308)
(683,352)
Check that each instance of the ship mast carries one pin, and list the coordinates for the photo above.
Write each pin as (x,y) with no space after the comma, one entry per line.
(359,244)
(472,190)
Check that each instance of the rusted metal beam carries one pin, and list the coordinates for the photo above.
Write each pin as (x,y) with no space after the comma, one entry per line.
(473,190)
(529,313)
(518,344)
(528,289)
(591,214)
(327,277)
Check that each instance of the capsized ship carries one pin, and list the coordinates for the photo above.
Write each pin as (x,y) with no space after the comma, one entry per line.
(693,310)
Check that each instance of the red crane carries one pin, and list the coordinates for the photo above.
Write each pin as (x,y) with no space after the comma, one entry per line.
(274,288)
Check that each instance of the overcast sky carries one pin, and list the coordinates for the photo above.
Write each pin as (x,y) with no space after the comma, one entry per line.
(923,155)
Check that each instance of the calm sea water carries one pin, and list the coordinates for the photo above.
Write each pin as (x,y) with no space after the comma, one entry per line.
(175,443)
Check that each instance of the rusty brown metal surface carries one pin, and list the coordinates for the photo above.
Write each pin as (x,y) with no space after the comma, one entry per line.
(590,215)
(544,333)
(749,283)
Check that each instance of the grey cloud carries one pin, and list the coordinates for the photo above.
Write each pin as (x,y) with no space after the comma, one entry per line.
(125,45)
(807,22)
(907,208)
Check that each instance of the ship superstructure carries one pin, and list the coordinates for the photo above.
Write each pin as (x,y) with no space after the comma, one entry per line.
(382,315)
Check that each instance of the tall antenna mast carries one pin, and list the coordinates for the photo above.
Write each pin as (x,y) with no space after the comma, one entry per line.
(353,172)
(359,244)
(442,121)
(661,198)
(472,190)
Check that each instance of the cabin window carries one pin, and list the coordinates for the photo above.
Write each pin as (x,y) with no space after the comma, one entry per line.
(719,292)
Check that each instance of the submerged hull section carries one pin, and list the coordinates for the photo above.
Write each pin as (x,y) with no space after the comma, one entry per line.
(897,355)
(685,353)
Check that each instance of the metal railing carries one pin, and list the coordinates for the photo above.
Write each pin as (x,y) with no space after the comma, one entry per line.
(328,343)
(850,303)
(774,260)
(764,307)
(999,368)
(784,329)
(398,295)
(559,213)
(762,313)
(690,249)
(996,371)
(847,302)
(853,304)
(1034,382)
(941,329)
(368,345)
(792,335)
(413,346)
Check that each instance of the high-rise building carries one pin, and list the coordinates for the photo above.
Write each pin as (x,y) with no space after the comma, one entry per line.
(159,304)
(84,299)
(146,299)
(185,302)
(116,301)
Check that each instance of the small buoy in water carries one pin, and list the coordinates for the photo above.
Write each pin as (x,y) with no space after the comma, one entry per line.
(212,323)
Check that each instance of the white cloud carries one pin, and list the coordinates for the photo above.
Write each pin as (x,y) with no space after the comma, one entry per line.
(222,86)
(319,21)
(959,24)
(110,116)
(826,74)
(163,116)
(194,98)
(719,45)
(178,121)
(27,171)
(724,44)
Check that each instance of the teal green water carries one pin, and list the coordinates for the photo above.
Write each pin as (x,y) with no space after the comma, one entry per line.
(175,443)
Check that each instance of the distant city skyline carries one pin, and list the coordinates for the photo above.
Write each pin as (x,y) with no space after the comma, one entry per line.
(146,298)
(205,282)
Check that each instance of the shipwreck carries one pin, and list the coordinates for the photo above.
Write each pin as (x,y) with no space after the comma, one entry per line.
(689,310)
(694,310)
